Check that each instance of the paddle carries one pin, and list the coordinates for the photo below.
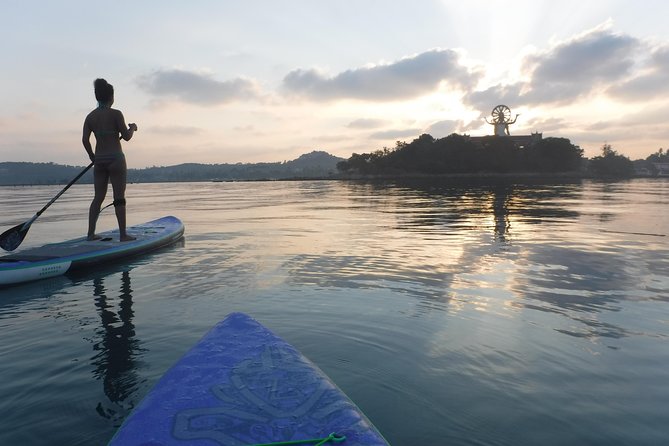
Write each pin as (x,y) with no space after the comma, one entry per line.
(12,238)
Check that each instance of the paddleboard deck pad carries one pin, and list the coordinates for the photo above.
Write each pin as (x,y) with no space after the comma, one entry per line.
(242,385)
(57,258)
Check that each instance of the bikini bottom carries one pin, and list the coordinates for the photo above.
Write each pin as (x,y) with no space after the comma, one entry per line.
(108,159)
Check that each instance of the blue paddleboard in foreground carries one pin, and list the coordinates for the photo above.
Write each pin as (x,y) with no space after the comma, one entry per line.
(56,259)
(242,385)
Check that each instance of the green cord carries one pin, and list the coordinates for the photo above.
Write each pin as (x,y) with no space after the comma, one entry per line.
(333,437)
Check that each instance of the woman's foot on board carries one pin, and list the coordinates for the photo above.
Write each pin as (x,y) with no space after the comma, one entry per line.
(127,238)
(90,238)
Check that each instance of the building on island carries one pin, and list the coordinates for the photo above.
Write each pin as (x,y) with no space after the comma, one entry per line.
(662,169)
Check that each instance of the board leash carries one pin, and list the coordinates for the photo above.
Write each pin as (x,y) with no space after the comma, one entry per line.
(333,437)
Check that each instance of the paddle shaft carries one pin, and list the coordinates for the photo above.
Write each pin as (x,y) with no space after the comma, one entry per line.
(12,238)
(81,174)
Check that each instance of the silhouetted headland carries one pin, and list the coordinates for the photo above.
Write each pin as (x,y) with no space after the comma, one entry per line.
(454,157)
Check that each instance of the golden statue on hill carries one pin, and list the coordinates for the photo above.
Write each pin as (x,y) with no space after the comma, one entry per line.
(501,118)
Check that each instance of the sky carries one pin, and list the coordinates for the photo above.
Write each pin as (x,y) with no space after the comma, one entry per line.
(222,81)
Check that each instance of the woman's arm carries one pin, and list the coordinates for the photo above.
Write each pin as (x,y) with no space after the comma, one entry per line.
(86,140)
(126,131)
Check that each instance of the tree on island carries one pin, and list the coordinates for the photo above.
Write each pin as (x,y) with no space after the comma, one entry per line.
(655,164)
(611,164)
(661,156)
(457,154)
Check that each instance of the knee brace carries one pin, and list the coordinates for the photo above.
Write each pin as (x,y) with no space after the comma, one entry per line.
(119,202)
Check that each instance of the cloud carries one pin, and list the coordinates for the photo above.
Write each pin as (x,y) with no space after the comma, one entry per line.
(333,138)
(548,125)
(363,123)
(641,88)
(569,70)
(598,56)
(651,116)
(176,130)
(393,134)
(197,88)
(485,100)
(443,128)
(652,82)
(406,78)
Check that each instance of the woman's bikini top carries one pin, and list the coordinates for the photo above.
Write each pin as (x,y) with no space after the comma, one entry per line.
(100,133)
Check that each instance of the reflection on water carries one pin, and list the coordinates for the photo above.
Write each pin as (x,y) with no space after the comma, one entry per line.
(438,232)
(504,313)
(570,273)
(500,210)
(116,347)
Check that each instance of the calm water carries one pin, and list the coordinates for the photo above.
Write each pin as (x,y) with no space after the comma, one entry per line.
(452,315)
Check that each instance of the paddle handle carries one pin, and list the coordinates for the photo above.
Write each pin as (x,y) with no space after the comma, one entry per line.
(62,192)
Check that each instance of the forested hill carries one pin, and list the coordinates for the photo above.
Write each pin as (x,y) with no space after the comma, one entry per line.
(317,164)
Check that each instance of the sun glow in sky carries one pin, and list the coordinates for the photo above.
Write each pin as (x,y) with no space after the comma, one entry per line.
(215,81)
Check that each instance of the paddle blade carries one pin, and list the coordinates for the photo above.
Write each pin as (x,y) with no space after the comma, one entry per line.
(12,238)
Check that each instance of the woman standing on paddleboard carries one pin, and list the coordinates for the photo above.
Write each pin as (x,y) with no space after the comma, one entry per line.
(108,125)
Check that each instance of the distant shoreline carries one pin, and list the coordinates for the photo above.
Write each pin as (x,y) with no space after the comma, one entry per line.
(456,177)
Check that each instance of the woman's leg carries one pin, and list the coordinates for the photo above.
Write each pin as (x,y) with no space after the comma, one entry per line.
(118,173)
(100,182)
